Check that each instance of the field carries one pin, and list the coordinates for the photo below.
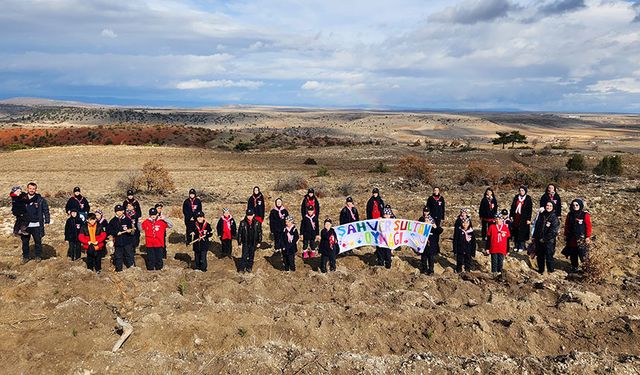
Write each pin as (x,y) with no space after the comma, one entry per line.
(58,317)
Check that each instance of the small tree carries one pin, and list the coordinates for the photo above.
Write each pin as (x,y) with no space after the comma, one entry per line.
(156,179)
(576,163)
(609,166)
(415,168)
(516,137)
(503,139)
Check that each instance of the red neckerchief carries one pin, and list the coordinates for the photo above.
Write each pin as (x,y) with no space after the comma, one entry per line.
(201,229)
(332,240)
(313,224)
(500,232)
(255,199)
(351,212)
(192,203)
(227,221)
(436,197)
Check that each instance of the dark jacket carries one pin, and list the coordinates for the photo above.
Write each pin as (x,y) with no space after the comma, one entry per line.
(191,208)
(436,207)
(136,206)
(77,204)
(458,223)
(521,230)
(234,228)
(308,229)
(277,221)
(433,244)
(72,229)
(256,203)
(19,205)
(291,247)
(325,247)
(37,211)
(250,234)
(118,225)
(557,202)
(460,244)
(202,230)
(305,204)
(370,204)
(345,215)
(547,227)
(486,212)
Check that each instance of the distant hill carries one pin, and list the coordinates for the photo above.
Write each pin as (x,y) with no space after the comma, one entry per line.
(43,102)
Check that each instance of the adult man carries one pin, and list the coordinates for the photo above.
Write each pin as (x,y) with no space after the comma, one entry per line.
(37,217)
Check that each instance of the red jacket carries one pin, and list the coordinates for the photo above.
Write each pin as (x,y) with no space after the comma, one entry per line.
(497,238)
(577,225)
(154,231)
(84,237)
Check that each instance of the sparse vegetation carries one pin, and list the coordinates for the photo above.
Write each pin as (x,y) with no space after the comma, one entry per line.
(323,172)
(183,287)
(597,266)
(292,183)
(504,138)
(345,189)
(576,163)
(415,168)
(379,168)
(609,166)
(310,161)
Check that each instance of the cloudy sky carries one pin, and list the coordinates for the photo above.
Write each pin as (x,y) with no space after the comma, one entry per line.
(552,55)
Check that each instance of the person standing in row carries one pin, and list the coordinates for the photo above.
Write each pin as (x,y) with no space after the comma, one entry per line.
(464,245)
(249,237)
(131,199)
(92,237)
(201,234)
(375,210)
(71,232)
(161,216)
(101,221)
(78,203)
(277,218)
(190,209)
(488,211)
(291,237)
(227,230)
(497,240)
(544,234)
(428,256)
(328,247)
(310,200)
(436,206)
(551,195)
(155,230)
(132,214)
(383,254)
(521,212)
(121,231)
(577,232)
(465,214)
(37,218)
(310,231)
(255,203)
(349,212)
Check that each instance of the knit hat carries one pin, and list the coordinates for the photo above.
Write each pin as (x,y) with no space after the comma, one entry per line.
(16,188)
(159,205)
(291,219)
(465,210)
(425,209)
(99,212)
(129,192)
(375,191)
(225,210)
(192,191)
(200,214)
(153,211)
(499,216)
(387,210)
(76,189)
(311,191)
(118,207)
(249,212)
(349,199)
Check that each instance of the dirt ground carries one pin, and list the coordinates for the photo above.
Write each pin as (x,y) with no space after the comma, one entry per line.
(57,317)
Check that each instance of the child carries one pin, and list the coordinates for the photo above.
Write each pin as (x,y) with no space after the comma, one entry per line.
(291,238)
(497,239)
(507,221)
(79,203)
(328,247)
(161,216)
(383,254)
(277,218)
(428,256)
(375,205)
(488,211)
(577,233)
(436,206)
(121,231)
(310,230)
(256,204)
(464,245)
(101,220)
(132,213)
(190,208)
(249,237)
(154,233)
(349,212)
(310,200)
(464,214)
(71,232)
(92,236)
(227,230)
(201,234)
(19,210)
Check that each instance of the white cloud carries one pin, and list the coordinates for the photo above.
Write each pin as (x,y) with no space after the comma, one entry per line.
(108,33)
(625,85)
(222,83)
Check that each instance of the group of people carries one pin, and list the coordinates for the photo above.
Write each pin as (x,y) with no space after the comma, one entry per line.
(90,232)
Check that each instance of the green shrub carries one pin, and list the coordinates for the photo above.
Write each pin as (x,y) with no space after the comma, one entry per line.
(379,168)
(609,166)
(322,172)
(576,163)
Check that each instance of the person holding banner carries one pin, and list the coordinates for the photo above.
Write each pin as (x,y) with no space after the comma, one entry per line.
(488,211)
(464,245)
(428,256)
(310,200)
(375,209)
(291,238)
(384,253)
(497,238)
(310,230)
(436,206)
(328,247)
(349,212)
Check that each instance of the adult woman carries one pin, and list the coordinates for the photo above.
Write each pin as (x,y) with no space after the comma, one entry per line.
(577,232)
(520,213)
(551,195)
(544,235)
(488,211)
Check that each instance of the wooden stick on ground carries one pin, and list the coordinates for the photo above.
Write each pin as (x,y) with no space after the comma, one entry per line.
(127,330)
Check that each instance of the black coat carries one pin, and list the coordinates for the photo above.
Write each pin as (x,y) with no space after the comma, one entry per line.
(234,227)
(325,246)
(136,206)
(18,205)
(521,231)
(256,204)
(250,234)
(433,244)
(72,229)
(486,212)
(277,223)
(547,227)
(37,210)
(190,210)
(291,247)
(117,225)
(78,205)
(436,207)
(458,223)
(557,202)
(460,244)
(202,230)
(305,205)
(345,215)
(307,228)
(371,202)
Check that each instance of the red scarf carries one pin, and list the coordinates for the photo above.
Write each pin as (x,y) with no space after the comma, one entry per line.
(226,228)
(193,205)
(201,229)
(332,241)
(375,212)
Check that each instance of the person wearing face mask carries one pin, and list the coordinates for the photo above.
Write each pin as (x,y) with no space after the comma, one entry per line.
(551,195)
(277,218)
(37,218)
(544,237)
(520,213)
(328,247)
(227,230)
(488,211)
(310,200)
(577,232)
(255,203)
(190,208)
(78,203)
(349,212)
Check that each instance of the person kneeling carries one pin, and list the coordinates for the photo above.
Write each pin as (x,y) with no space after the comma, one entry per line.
(92,237)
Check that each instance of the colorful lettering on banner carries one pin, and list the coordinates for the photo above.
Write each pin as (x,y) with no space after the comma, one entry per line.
(391,233)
